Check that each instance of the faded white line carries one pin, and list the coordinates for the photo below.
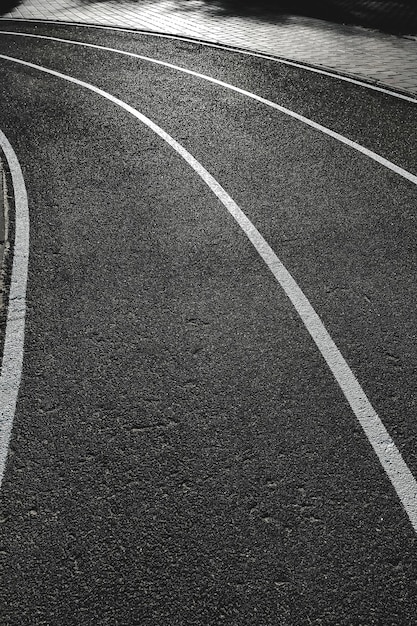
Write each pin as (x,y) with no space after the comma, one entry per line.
(11,371)
(389,456)
(305,120)
(208,44)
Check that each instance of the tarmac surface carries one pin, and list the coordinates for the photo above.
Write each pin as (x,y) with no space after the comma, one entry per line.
(187,445)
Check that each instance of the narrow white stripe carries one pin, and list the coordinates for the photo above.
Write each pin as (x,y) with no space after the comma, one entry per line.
(11,370)
(327,131)
(208,44)
(390,458)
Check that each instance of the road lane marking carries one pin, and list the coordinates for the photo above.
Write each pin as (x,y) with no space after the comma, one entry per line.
(11,371)
(388,454)
(305,120)
(208,44)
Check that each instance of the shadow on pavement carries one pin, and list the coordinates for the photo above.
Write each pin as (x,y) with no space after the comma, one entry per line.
(8,5)
(391,16)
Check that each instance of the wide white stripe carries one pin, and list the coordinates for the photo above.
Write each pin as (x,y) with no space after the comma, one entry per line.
(327,131)
(209,44)
(11,370)
(390,458)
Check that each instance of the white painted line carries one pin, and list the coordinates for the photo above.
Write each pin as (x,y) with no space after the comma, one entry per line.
(305,120)
(11,370)
(208,44)
(389,456)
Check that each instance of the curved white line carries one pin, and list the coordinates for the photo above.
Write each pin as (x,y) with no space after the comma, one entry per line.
(208,44)
(11,371)
(305,120)
(390,458)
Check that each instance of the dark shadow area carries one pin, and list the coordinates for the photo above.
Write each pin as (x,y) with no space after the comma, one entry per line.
(390,16)
(8,5)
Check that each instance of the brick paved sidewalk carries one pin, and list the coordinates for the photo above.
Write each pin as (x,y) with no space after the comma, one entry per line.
(385,59)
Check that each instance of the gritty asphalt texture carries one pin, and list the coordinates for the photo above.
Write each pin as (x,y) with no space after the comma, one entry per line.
(181,454)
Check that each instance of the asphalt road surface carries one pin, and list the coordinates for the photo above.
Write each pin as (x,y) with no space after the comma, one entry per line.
(189,446)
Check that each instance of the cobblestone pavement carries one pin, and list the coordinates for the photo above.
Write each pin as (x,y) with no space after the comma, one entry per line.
(383,58)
